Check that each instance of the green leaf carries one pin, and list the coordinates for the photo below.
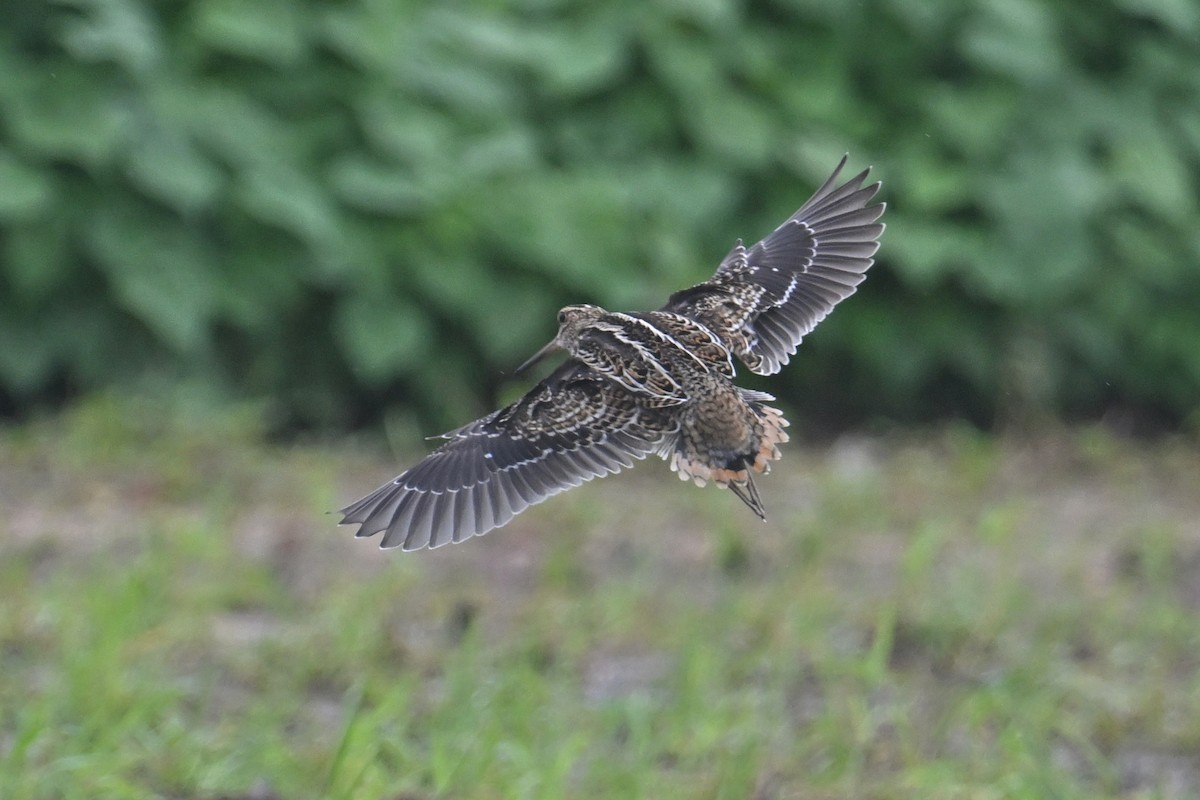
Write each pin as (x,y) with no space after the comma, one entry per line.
(571,227)
(926,251)
(681,60)
(567,58)
(382,336)
(293,202)
(585,58)
(25,192)
(1151,170)
(1180,16)
(118,30)
(231,123)
(375,187)
(401,127)
(507,149)
(268,30)
(977,121)
(159,271)
(472,91)
(381,37)
(736,126)
(1040,205)
(27,358)
(69,112)
(167,166)
(1016,39)
(38,258)
(261,283)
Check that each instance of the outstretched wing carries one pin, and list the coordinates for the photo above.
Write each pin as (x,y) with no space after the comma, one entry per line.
(573,426)
(764,299)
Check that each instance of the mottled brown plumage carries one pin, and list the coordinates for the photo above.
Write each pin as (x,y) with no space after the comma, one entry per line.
(635,384)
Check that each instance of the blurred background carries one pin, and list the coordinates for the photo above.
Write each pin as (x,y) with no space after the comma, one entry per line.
(350,209)
(240,238)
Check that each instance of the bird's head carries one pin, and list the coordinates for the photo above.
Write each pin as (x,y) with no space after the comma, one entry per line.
(572,321)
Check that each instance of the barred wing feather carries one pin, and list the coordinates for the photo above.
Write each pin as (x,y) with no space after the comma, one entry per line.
(573,426)
(763,300)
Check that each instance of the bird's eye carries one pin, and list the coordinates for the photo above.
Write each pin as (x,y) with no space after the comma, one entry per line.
(562,317)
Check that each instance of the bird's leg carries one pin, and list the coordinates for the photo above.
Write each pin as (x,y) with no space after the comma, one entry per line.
(747,492)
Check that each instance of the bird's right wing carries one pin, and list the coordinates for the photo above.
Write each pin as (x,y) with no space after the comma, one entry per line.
(764,299)
(573,426)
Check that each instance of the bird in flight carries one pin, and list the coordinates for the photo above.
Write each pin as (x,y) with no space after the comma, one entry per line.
(645,383)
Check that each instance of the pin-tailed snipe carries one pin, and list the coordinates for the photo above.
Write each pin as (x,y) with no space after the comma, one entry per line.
(635,384)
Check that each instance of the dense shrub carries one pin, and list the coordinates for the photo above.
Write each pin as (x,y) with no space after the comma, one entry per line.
(345,206)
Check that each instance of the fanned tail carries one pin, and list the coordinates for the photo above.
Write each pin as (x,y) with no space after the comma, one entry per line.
(736,470)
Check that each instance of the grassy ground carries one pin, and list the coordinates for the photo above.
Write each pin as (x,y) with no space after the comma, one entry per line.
(929,616)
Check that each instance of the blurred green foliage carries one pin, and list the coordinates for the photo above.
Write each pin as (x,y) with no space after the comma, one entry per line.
(351,205)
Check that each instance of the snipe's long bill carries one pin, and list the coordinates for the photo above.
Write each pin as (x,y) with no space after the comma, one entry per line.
(646,383)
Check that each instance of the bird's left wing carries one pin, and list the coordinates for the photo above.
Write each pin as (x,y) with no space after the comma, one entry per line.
(764,299)
(573,426)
